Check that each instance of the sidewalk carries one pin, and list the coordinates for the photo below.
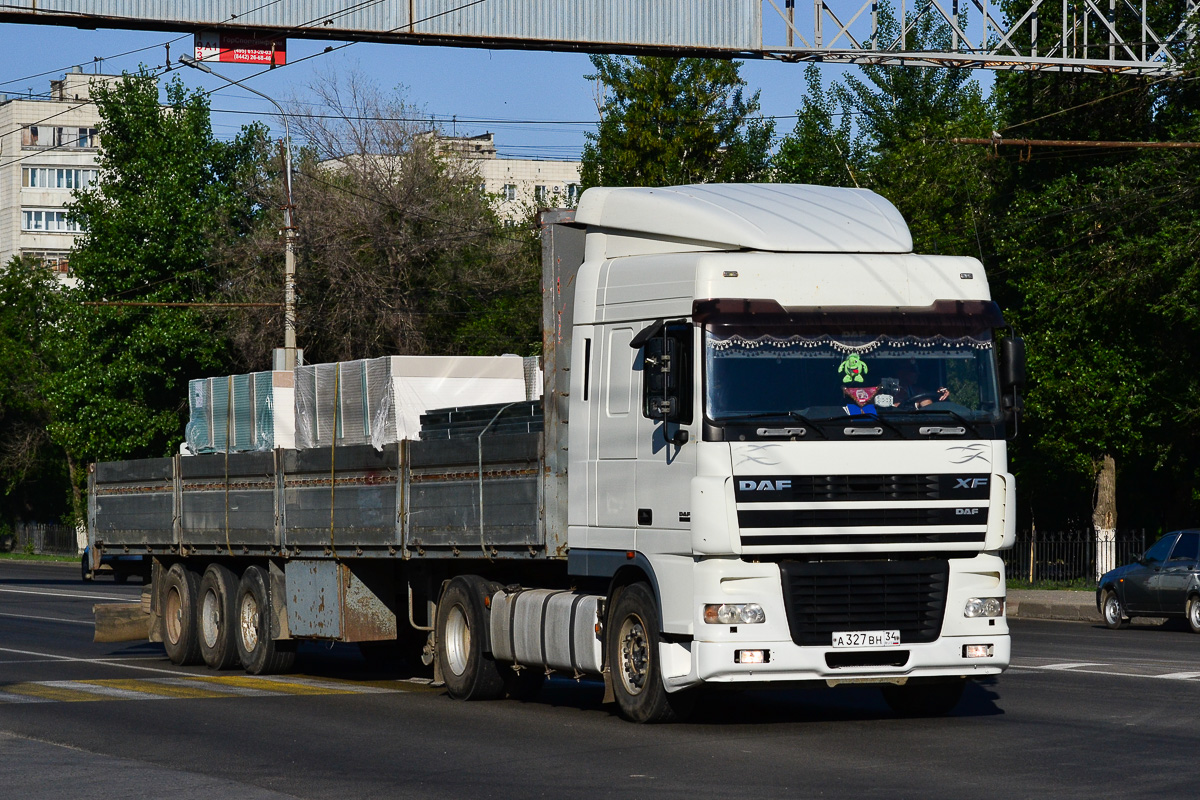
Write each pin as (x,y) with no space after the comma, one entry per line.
(1058,604)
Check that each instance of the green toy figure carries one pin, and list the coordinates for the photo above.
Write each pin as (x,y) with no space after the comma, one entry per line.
(854,367)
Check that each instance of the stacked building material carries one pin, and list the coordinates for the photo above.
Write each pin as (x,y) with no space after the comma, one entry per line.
(468,422)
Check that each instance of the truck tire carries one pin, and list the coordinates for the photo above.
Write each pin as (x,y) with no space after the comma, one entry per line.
(469,672)
(632,646)
(258,652)
(218,617)
(934,699)
(87,567)
(181,591)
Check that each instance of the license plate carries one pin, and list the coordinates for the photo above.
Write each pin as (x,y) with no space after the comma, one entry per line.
(866,639)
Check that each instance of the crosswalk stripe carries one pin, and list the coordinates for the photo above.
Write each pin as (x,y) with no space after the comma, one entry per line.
(44,691)
(105,689)
(158,690)
(274,685)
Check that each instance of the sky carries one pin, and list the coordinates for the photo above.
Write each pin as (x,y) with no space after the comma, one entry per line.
(538,104)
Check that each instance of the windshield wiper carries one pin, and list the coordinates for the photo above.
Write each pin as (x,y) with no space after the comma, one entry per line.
(966,422)
(796,415)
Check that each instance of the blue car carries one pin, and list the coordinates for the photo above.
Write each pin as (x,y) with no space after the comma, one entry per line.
(121,566)
(1164,582)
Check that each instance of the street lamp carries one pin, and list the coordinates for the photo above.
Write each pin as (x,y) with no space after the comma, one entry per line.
(289,267)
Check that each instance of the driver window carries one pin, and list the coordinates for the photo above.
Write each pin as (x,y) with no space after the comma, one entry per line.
(1158,551)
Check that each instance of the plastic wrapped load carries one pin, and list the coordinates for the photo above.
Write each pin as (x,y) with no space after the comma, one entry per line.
(240,413)
(378,401)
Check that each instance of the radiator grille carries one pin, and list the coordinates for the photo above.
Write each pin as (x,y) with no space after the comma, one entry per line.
(827,597)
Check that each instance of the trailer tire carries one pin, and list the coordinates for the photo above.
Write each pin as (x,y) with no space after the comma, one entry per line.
(469,672)
(258,652)
(217,616)
(632,646)
(181,590)
(934,699)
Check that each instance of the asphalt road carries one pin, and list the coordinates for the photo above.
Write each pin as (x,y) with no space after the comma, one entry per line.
(1084,712)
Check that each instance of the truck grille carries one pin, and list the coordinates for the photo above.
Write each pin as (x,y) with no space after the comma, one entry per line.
(827,597)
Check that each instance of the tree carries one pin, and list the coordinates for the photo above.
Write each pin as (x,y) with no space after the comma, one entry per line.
(666,121)
(166,189)
(399,251)
(33,481)
(820,149)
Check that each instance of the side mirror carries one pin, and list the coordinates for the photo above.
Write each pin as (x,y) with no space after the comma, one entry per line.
(1012,363)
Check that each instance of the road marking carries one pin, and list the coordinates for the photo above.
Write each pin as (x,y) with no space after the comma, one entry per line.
(102,661)
(1073,665)
(192,687)
(111,597)
(1179,676)
(1108,671)
(51,619)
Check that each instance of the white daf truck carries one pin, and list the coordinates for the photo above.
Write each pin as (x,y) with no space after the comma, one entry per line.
(773,451)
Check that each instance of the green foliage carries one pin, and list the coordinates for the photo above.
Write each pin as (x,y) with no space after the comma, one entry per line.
(668,121)
(166,188)
(820,148)
(32,476)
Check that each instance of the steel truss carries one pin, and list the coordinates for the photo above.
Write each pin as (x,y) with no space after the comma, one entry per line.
(1104,36)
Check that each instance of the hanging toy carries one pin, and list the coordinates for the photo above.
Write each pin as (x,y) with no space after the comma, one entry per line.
(854,367)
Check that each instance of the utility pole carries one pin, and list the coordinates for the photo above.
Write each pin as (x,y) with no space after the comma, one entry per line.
(289,259)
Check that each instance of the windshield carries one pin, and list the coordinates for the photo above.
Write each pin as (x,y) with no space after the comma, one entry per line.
(756,372)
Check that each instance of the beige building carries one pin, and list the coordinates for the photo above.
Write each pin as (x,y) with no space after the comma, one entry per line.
(522,185)
(48,148)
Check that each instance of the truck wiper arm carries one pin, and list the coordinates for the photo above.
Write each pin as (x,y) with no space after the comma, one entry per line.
(965,422)
(796,415)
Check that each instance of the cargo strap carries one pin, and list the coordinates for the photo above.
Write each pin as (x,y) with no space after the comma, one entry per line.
(479,441)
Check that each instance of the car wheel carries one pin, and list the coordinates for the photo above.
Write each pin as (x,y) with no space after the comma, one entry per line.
(1193,613)
(1114,611)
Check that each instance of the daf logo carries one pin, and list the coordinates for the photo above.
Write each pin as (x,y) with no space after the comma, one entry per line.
(970,483)
(966,512)
(764,486)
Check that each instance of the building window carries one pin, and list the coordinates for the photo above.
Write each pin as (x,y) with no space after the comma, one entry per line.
(57,178)
(572,193)
(48,220)
(539,193)
(34,136)
(29,136)
(510,191)
(56,261)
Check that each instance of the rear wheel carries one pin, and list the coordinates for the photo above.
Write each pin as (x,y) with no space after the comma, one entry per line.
(181,589)
(469,673)
(1114,611)
(632,643)
(1193,613)
(925,699)
(258,652)
(218,617)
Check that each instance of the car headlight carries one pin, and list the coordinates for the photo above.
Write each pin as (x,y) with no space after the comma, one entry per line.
(734,614)
(984,607)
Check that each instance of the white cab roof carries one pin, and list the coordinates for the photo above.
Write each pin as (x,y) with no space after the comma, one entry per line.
(779,217)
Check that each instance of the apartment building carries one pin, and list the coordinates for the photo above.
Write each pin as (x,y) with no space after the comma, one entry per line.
(48,148)
(521,184)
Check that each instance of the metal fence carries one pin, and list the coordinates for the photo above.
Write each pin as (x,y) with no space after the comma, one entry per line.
(44,539)
(1065,556)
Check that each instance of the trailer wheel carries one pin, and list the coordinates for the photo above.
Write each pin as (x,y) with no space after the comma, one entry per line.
(258,652)
(218,617)
(181,589)
(632,646)
(934,699)
(470,674)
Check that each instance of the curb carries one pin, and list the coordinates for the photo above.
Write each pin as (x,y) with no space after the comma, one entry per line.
(1066,605)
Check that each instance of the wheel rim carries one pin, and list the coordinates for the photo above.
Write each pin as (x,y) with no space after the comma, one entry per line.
(174,615)
(1112,609)
(1194,613)
(635,654)
(210,618)
(248,622)
(458,640)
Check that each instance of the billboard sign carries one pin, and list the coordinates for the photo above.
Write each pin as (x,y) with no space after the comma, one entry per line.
(240,49)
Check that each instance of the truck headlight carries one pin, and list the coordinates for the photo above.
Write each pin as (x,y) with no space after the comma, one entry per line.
(984,607)
(734,614)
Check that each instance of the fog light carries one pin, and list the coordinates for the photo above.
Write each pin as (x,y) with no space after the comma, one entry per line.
(734,614)
(751,656)
(984,607)
(978,650)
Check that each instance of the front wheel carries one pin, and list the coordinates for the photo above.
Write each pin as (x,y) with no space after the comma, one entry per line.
(1193,613)
(925,699)
(1114,611)
(632,645)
